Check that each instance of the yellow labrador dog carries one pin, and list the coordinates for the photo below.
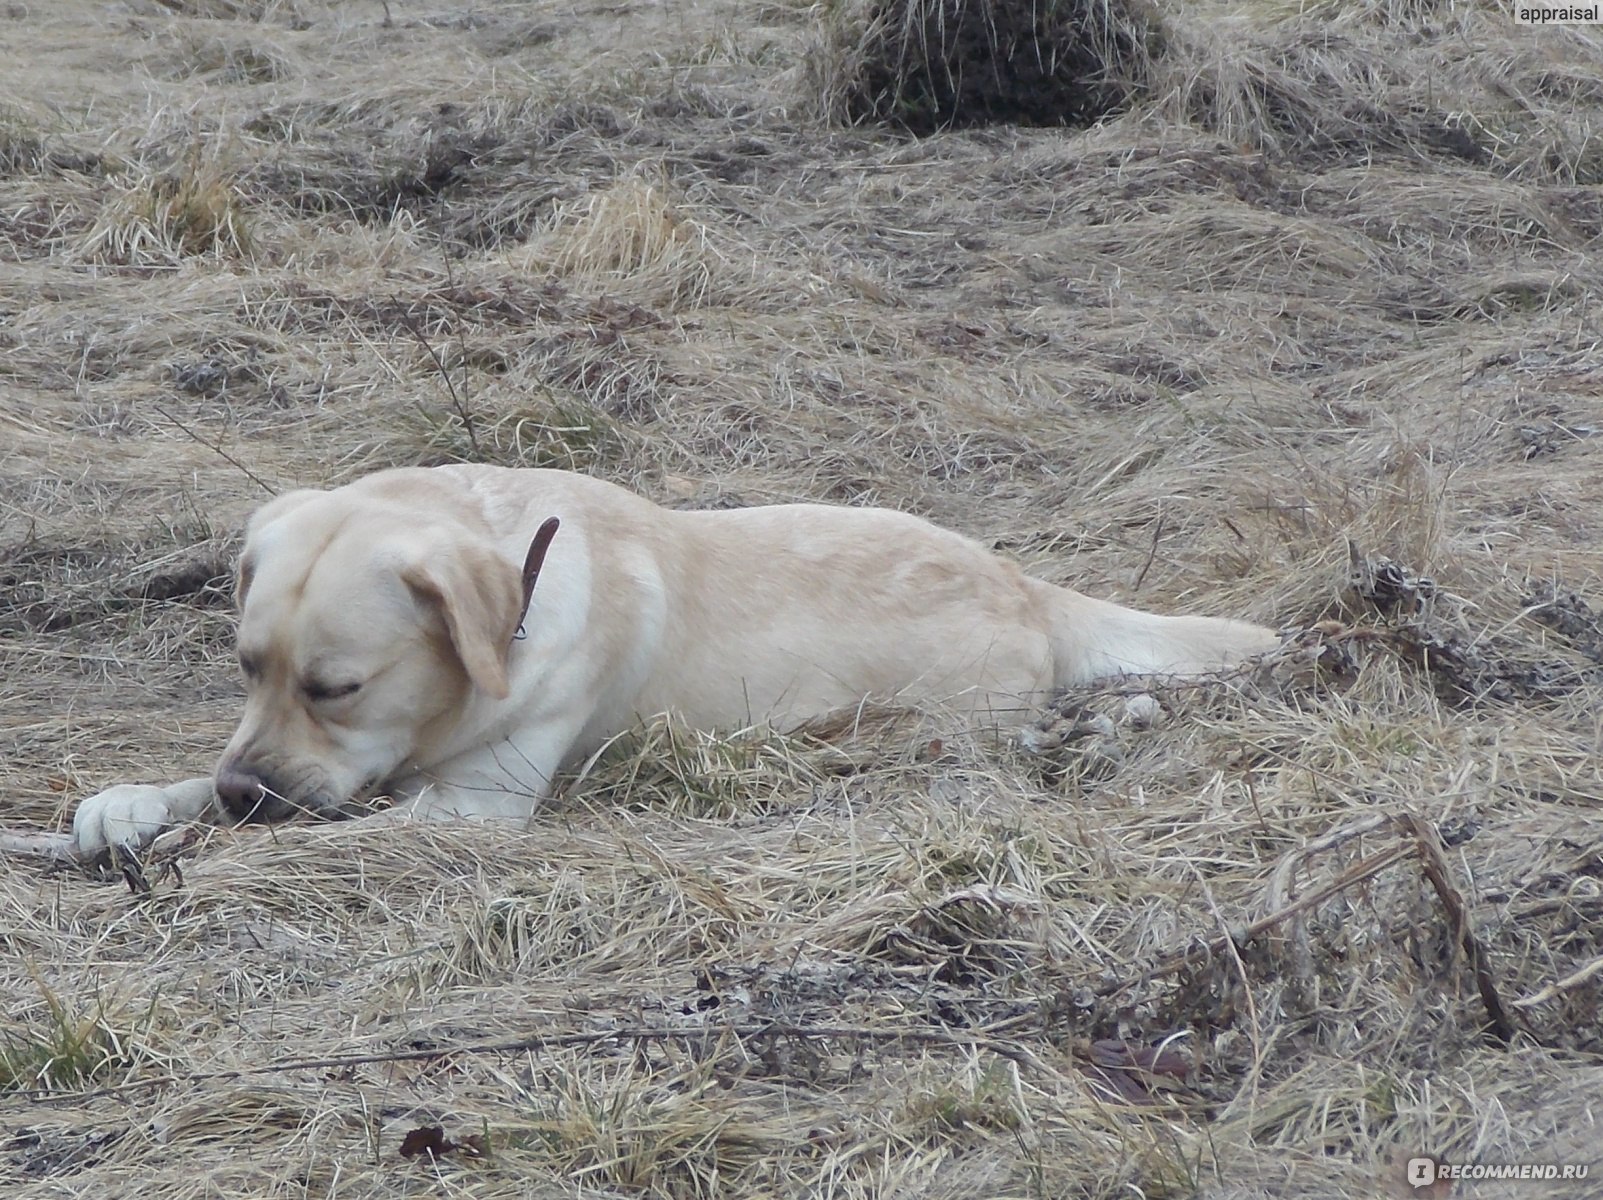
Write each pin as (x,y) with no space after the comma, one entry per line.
(393,640)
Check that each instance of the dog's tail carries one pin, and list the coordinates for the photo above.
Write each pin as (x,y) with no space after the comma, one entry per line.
(1094,639)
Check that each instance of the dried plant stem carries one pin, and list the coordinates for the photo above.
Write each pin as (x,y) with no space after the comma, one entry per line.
(1559,986)
(1428,847)
(1202,952)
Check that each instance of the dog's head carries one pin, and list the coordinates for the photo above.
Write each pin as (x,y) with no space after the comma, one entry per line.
(368,621)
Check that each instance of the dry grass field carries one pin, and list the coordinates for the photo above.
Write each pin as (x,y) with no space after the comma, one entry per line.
(1308,333)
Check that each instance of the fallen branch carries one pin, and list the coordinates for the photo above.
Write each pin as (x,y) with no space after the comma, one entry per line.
(1424,846)
(551,1041)
(1277,893)
(1201,952)
(1560,986)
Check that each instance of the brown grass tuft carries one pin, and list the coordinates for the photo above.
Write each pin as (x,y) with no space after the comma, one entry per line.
(629,239)
(159,219)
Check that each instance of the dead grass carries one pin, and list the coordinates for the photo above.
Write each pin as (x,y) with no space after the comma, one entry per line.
(1306,334)
(157,220)
(629,239)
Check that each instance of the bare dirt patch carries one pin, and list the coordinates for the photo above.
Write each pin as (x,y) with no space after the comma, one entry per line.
(1306,333)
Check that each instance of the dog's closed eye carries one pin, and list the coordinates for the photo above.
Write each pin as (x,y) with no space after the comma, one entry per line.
(317,691)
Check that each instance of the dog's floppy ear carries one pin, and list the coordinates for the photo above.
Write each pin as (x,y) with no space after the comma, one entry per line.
(479,595)
(264,516)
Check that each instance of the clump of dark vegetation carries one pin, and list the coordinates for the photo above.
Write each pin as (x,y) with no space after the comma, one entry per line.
(935,64)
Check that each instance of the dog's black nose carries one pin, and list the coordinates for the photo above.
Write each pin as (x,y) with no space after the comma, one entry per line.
(239,792)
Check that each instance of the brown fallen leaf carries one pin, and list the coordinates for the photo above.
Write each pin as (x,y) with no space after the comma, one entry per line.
(431,1140)
(426,1139)
(1133,1073)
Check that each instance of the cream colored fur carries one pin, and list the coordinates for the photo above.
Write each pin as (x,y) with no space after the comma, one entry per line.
(407,584)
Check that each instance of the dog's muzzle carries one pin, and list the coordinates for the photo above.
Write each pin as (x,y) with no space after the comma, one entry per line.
(255,797)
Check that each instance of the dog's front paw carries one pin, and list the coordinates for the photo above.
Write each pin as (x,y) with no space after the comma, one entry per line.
(127,816)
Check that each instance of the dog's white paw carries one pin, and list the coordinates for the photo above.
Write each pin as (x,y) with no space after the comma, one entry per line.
(127,816)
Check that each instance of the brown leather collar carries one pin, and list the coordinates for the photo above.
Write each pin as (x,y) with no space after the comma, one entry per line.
(531,569)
